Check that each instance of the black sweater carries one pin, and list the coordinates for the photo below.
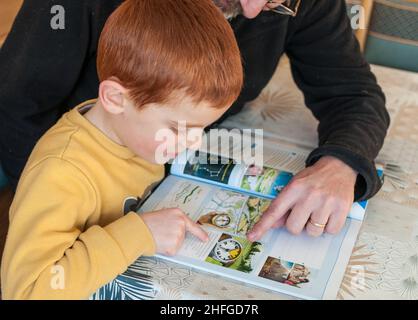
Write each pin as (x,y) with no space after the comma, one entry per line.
(44,72)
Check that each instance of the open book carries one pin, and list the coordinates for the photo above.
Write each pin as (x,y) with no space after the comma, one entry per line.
(227,199)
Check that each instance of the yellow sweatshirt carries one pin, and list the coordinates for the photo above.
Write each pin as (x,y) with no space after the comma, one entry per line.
(68,233)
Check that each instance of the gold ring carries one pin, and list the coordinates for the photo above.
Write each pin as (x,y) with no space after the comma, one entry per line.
(322,226)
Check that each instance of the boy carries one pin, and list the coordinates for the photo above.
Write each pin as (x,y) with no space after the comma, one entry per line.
(70,230)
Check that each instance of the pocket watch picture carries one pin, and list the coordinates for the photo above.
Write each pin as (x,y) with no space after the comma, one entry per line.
(221,220)
(227,250)
(216,219)
(235,253)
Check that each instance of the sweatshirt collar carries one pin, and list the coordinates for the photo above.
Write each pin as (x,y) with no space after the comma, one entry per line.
(76,116)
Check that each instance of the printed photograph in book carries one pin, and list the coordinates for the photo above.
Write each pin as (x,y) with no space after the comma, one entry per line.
(286,272)
(235,253)
(210,167)
(265,180)
(252,178)
(232,212)
(223,211)
(251,214)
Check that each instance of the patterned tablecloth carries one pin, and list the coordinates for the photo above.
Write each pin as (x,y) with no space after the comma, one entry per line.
(384,262)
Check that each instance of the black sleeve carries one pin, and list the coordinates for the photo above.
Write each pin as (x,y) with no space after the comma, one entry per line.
(339,89)
(40,68)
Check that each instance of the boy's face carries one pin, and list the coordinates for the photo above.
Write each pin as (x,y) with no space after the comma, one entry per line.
(158,133)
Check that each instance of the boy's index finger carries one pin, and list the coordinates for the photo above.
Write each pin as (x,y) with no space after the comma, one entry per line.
(195,229)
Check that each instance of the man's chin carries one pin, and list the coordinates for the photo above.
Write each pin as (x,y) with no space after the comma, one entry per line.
(231,15)
(230,8)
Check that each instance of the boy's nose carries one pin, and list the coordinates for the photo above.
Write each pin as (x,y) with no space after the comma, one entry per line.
(252,8)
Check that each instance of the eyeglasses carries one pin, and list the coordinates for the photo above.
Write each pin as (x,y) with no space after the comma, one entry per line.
(289,7)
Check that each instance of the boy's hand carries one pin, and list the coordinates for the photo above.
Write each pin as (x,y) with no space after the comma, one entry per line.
(318,198)
(169,227)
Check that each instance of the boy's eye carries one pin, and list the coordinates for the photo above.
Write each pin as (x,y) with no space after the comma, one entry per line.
(175,129)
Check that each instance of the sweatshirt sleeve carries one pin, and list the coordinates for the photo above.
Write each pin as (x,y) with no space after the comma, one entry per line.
(49,252)
(339,89)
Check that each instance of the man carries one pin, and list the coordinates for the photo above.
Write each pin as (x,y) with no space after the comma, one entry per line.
(326,64)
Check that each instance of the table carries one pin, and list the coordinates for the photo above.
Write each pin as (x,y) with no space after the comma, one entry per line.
(384,262)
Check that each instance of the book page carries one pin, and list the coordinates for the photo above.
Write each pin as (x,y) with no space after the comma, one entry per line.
(267,181)
(201,166)
(296,265)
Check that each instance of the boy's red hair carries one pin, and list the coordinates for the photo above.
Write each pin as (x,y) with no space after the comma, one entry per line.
(155,48)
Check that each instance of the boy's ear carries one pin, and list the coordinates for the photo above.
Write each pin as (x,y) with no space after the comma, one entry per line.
(112,96)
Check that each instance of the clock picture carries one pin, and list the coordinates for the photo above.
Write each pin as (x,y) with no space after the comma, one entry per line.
(227,250)
(235,253)
(221,220)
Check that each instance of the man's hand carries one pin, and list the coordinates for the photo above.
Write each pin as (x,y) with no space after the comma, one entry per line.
(321,194)
(252,8)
